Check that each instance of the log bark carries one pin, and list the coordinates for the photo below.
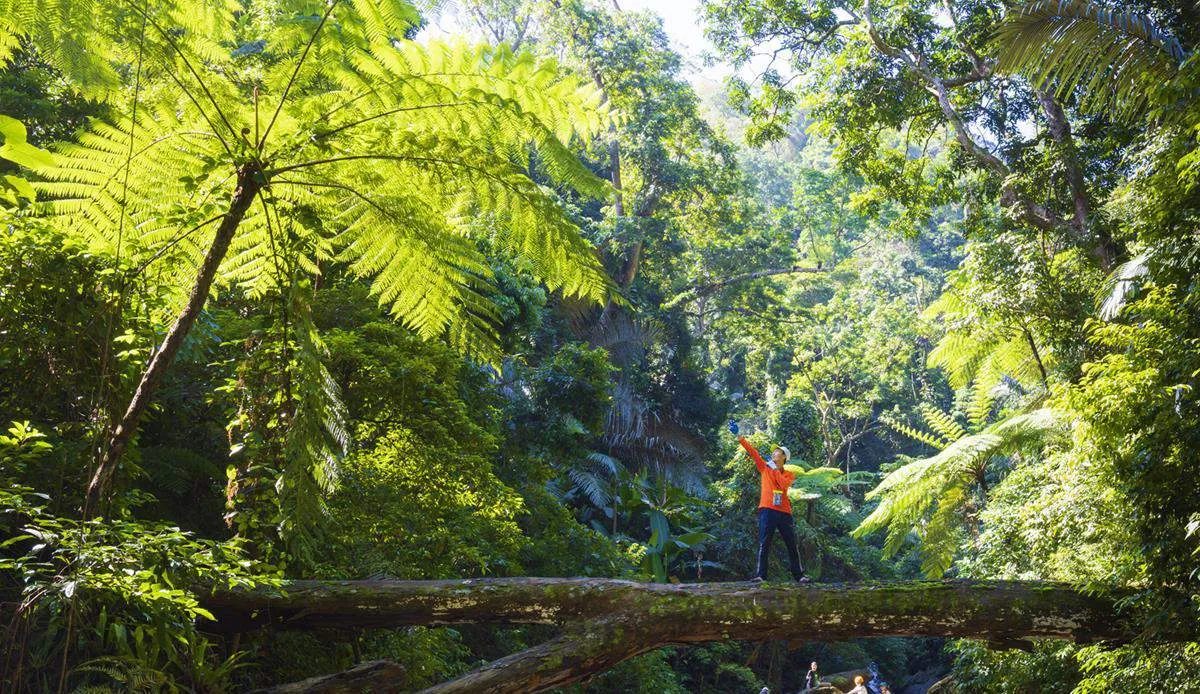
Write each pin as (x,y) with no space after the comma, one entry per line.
(607,621)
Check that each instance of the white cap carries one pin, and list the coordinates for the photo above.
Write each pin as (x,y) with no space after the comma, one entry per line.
(787,454)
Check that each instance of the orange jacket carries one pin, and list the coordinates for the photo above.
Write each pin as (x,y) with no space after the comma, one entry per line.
(773,483)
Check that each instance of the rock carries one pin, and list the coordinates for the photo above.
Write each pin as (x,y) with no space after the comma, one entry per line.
(822,689)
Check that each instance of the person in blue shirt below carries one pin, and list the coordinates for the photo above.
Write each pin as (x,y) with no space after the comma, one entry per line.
(774,507)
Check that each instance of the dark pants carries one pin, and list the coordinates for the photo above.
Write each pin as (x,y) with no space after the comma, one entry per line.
(769,521)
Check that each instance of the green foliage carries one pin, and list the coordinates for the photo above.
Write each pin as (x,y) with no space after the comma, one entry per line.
(713,669)
(15,148)
(288,430)
(449,131)
(1139,386)
(116,596)
(1114,59)
(411,507)
(660,503)
(795,424)
(931,495)
(646,674)
(1139,667)
(1051,667)
(1056,517)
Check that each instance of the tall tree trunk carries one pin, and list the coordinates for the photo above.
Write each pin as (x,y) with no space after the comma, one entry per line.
(607,621)
(249,183)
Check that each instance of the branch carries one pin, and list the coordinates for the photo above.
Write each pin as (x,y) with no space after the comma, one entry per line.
(1037,216)
(376,676)
(1037,355)
(558,662)
(982,71)
(709,289)
(1060,131)
(742,310)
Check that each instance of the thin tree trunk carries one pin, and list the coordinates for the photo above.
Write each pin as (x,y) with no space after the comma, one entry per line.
(249,182)
(614,160)
(1037,357)
(778,651)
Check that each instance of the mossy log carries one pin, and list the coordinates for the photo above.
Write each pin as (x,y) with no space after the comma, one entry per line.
(606,621)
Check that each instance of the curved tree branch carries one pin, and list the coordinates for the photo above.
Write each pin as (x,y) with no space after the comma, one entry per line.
(714,287)
(1034,214)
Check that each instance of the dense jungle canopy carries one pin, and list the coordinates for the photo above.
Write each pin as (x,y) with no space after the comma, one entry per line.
(377,345)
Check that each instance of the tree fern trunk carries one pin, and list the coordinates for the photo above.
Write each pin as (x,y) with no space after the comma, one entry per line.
(249,182)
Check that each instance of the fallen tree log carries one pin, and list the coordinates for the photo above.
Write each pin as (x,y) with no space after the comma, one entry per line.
(606,621)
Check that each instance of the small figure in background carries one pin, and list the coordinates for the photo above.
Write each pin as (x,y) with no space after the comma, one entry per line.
(812,678)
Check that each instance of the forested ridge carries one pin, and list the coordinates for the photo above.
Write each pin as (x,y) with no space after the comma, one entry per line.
(342,352)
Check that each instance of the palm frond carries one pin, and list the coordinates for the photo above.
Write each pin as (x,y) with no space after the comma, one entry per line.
(1112,59)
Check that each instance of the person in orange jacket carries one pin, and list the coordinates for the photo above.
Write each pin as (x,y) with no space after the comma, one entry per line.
(774,507)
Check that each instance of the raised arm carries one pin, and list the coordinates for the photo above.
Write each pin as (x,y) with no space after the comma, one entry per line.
(761,464)
(758,459)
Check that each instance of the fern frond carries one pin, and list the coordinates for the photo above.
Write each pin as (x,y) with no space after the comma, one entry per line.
(416,155)
(986,378)
(591,485)
(959,353)
(942,423)
(939,537)
(924,488)
(915,434)
(1112,59)
(980,353)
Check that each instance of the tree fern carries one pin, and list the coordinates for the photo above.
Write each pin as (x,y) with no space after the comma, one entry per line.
(929,496)
(1112,59)
(942,423)
(929,439)
(341,143)
(981,351)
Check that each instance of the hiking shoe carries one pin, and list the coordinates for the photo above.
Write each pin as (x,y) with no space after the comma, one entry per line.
(804,579)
